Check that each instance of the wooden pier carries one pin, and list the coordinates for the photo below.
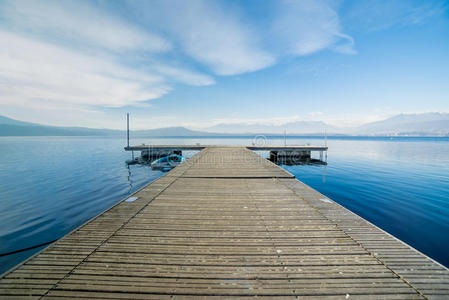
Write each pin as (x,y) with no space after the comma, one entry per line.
(228,223)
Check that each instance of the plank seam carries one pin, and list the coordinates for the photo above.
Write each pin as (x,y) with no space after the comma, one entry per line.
(112,234)
(369,252)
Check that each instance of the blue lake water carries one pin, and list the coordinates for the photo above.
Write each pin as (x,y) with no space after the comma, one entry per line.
(51,185)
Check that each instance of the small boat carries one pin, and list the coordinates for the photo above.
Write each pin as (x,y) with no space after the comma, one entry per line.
(134,161)
(167,162)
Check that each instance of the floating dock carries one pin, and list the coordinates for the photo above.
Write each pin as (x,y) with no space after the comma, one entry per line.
(228,223)
(285,154)
(199,147)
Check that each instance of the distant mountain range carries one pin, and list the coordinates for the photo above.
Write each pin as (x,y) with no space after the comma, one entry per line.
(426,124)
(436,124)
(11,127)
(299,127)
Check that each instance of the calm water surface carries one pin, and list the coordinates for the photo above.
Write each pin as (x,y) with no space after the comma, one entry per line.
(51,185)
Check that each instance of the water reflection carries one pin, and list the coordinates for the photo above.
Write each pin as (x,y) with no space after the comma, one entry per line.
(129,179)
(291,162)
(324,172)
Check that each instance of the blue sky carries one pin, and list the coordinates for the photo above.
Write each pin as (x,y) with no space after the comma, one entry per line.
(200,63)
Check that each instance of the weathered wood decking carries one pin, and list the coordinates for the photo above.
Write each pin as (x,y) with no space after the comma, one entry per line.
(228,223)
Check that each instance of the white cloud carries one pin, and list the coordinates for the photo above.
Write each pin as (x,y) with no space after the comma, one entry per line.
(209,33)
(278,121)
(78,23)
(215,36)
(308,26)
(184,76)
(373,15)
(32,70)
(81,56)
(315,114)
(67,54)
(230,42)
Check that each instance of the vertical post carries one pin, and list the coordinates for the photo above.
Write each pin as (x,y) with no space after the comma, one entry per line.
(285,137)
(325,151)
(325,145)
(127,128)
(325,137)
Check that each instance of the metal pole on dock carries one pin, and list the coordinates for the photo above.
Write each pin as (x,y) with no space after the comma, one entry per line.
(325,145)
(285,137)
(325,137)
(127,128)
(127,133)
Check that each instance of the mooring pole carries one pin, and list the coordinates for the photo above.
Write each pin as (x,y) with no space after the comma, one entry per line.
(285,137)
(127,134)
(325,137)
(127,128)
(325,145)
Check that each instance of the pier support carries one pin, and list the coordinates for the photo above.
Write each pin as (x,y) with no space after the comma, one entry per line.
(290,157)
(153,154)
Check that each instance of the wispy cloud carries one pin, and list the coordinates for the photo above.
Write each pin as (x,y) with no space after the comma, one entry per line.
(89,56)
(372,15)
(228,42)
(307,26)
(259,121)
(216,37)
(32,70)
(78,24)
(183,75)
(70,54)
(421,13)
(78,52)
(209,32)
